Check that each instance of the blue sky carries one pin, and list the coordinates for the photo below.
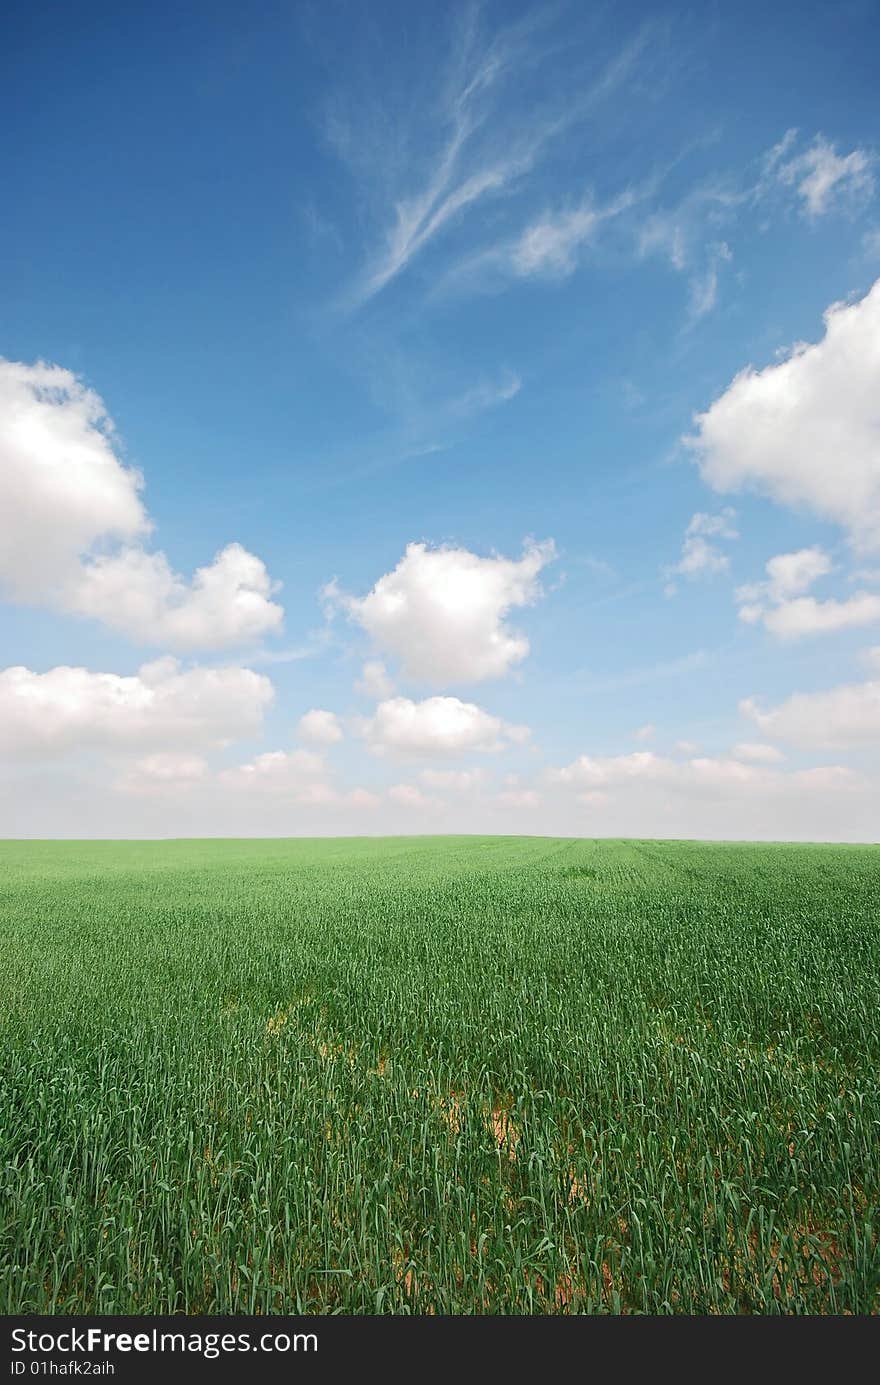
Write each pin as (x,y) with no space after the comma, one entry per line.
(507,345)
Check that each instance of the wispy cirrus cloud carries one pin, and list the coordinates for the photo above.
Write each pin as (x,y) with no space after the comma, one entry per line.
(686,233)
(458,147)
(486,394)
(550,246)
(825,180)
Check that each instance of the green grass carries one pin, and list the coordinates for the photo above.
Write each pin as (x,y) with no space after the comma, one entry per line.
(451,1075)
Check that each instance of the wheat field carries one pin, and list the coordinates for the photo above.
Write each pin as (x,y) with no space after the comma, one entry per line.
(439,1075)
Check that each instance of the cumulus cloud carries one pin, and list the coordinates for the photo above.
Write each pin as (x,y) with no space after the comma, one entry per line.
(295,777)
(62,486)
(757,752)
(699,556)
(162,705)
(518,798)
(442,611)
(296,774)
(171,766)
(711,773)
(825,180)
(320,727)
(591,772)
(411,796)
(842,718)
(792,615)
(165,772)
(788,574)
(135,592)
(374,681)
(438,726)
(647,794)
(806,616)
(806,432)
(455,780)
(72,526)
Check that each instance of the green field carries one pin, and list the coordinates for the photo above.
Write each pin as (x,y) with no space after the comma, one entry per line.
(439,1075)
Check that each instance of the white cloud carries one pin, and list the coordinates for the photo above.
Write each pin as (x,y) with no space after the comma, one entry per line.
(871,656)
(704,286)
(773,158)
(296,774)
(757,753)
(550,247)
(472,155)
(687,747)
(840,718)
(591,772)
(165,772)
(410,796)
(171,766)
(722,772)
(668,235)
(789,574)
(320,727)
(828,778)
(645,733)
(137,593)
(69,709)
(718,526)
(374,680)
(721,797)
(65,496)
(62,487)
(442,611)
(486,395)
(518,798)
(806,616)
(421,218)
(454,780)
(439,726)
(699,557)
(825,180)
(806,432)
(746,771)
(686,237)
(463,171)
(793,615)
